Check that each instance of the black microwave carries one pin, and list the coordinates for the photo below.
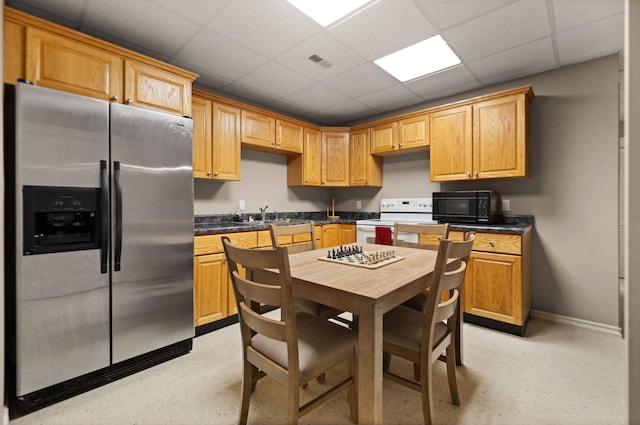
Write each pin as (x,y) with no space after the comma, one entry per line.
(469,206)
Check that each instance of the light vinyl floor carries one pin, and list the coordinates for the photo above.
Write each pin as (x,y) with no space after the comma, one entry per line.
(555,375)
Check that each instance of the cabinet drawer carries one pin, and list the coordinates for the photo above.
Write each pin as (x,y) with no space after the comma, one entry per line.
(498,242)
(264,239)
(210,244)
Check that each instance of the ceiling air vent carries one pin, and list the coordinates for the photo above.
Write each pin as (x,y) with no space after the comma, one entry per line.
(317,59)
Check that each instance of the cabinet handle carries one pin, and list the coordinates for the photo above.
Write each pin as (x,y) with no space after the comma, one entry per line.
(208,173)
(273,143)
(399,145)
(114,98)
(215,174)
(129,101)
(468,174)
(393,146)
(492,244)
(476,174)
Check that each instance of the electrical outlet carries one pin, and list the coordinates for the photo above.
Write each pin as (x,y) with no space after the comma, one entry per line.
(506,205)
(358,205)
(241,204)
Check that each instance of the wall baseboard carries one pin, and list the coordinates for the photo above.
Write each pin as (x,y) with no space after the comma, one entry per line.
(577,323)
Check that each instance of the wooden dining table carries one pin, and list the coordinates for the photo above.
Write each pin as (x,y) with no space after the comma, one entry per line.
(367,293)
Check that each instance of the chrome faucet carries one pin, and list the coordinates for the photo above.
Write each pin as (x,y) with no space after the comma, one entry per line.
(263,213)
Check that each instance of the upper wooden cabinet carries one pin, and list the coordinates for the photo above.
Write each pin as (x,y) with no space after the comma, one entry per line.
(156,88)
(483,139)
(413,133)
(384,138)
(364,168)
(267,133)
(451,144)
(335,157)
(216,139)
(53,56)
(289,136)
(306,169)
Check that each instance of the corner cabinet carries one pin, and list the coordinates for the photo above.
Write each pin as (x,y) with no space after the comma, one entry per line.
(335,157)
(364,168)
(50,55)
(484,138)
(497,285)
(216,139)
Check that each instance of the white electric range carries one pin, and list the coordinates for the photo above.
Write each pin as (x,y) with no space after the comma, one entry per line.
(407,210)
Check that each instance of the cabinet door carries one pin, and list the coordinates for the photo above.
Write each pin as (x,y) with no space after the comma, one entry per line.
(226,142)
(347,233)
(157,88)
(289,136)
(499,138)
(61,63)
(258,130)
(451,144)
(383,138)
(211,283)
(335,158)
(413,133)
(493,287)
(330,235)
(364,168)
(14,52)
(312,158)
(201,110)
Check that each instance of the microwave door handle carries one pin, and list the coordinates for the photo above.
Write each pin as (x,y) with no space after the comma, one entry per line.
(118,241)
(104,216)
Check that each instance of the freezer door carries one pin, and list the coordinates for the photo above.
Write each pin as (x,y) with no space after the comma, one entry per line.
(152,228)
(62,298)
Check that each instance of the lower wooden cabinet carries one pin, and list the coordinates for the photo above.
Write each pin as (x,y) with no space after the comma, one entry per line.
(497,285)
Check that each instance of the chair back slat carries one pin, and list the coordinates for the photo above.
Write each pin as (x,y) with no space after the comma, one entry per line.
(275,329)
(249,290)
(429,235)
(294,230)
(447,308)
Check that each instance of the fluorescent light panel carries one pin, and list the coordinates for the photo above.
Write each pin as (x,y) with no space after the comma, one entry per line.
(326,12)
(423,58)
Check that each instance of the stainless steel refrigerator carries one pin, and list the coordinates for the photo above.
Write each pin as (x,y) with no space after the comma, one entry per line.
(101,232)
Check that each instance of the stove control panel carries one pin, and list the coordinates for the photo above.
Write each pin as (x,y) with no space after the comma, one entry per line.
(413,205)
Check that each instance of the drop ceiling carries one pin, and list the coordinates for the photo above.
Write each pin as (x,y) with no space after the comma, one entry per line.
(258,50)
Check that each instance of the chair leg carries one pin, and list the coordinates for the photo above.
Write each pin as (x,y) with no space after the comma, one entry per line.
(248,384)
(386,361)
(426,390)
(294,402)
(451,374)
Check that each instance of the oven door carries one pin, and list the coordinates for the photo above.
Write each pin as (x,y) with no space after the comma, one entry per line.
(366,233)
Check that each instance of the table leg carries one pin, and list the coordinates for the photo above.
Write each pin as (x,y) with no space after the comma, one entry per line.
(370,368)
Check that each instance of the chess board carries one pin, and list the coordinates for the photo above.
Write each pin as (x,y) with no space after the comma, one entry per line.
(355,260)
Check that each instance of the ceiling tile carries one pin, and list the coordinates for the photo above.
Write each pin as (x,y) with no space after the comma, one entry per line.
(500,30)
(209,51)
(316,97)
(327,47)
(276,80)
(391,98)
(383,28)
(447,13)
(138,22)
(124,43)
(251,93)
(522,60)
(567,15)
(200,11)
(267,26)
(450,81)
(350,110)
(591,41)
(365,79)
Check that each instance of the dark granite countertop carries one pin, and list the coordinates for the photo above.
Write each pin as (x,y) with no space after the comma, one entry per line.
(224,223)
(507,224)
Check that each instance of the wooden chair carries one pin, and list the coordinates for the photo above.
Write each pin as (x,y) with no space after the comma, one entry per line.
(429,237)
(300,238)
(293,350)
(421,337)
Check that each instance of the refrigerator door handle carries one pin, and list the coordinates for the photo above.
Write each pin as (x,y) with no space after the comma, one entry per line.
(118,241)
(104,216)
